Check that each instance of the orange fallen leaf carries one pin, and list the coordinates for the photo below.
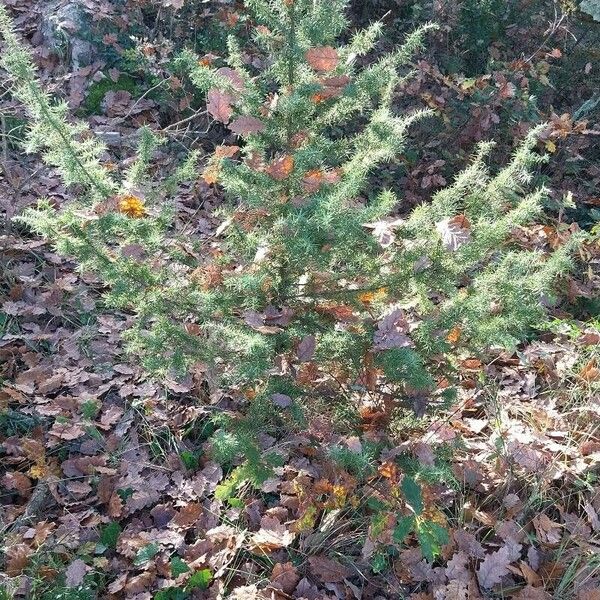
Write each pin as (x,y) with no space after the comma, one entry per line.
(224,151)
(472,364)
(454,335)
(281,167)
(590,372)
(389,470)
(322,59)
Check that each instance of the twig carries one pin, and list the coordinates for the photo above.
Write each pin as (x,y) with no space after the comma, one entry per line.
(154,87)
(36,503)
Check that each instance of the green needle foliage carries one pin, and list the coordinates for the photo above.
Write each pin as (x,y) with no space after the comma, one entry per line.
(306,282)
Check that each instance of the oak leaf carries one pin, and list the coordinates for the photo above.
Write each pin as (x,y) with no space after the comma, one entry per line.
(16,559)
(188,514)
(322,59)
(454,231)
(548,531)
(328,570)
(219,105)
(246,125)
(15,480)
(281,167)
(272,535)
(284,577)
(226,151)
(493,568)
(392,331)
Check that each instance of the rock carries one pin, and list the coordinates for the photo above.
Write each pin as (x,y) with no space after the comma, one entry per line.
(63,27)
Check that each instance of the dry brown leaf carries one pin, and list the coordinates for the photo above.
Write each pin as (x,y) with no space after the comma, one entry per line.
(589,447)
(328,570)
(454,231)
(340,312)
(15,480)
(312,181)
(234,77)
(322,59)
(493,568)
(211,174)
(17,559)
(281,167)
(548,532)
(272,535)
(306,348)
(284,577)
(454,335)
(75,573)
(533,593)
(219,105)
(223,151)
(392,331)
(246,125)
(188,515)
(530,576)
(590,372)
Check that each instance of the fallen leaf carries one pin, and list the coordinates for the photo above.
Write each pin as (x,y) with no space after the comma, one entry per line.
(548,531)
(75,573)
(281,167)
(392,331)
(16,559)
(454,231)
(328,570)
(306,348)
(322,59)
(17,481)
(493,568)
(272,535)
(234,77)
(219,105)
(246,125)
(312,181)
(223,151)
(284,577)
(456,569)
(454,335)
(590,372)
(532,593)
(188,515)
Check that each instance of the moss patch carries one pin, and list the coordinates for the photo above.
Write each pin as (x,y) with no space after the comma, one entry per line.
(93,101)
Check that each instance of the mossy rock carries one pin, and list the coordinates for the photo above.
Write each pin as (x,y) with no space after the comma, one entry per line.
(592,8)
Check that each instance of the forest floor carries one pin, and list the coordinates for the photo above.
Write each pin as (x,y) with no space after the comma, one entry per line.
(107,485)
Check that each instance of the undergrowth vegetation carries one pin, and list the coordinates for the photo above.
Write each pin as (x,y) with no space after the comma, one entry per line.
(324,301)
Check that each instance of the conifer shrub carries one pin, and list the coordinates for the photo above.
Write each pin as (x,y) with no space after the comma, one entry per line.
(307,288)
